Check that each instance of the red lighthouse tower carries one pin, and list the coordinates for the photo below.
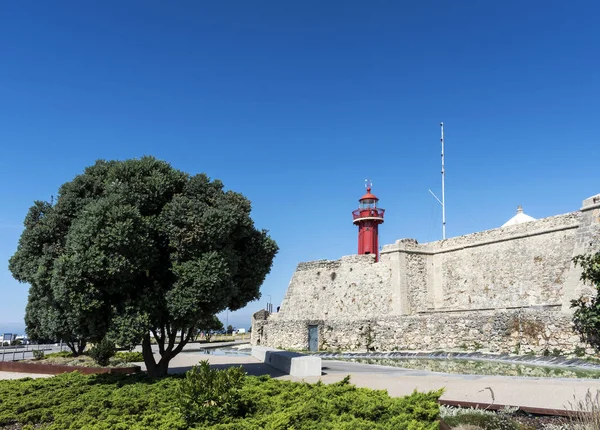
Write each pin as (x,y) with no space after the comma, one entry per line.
(368,217)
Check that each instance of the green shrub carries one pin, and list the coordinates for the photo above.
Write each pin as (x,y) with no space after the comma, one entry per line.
(129,357)
(206,395)
(38,354)
(72,401)
(102,352)
(65,354)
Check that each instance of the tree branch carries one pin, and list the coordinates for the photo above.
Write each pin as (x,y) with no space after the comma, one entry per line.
(172,338)
(159,340)
(183,343)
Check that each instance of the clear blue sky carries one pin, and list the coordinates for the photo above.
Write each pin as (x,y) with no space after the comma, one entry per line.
(294,104)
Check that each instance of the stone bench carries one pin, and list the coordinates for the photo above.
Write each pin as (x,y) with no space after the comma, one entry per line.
(292,363)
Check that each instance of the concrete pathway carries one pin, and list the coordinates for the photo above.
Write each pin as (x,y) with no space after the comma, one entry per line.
(17,375)
(550,393)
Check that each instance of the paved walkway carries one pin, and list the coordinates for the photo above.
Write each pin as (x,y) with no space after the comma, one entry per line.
(551,393)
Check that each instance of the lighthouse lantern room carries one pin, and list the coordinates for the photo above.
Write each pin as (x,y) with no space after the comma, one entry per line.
(368,217)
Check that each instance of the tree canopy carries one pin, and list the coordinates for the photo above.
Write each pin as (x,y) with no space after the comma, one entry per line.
(133,249)
(586,318)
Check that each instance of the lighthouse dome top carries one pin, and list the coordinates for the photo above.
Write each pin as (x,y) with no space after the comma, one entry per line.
(368,196)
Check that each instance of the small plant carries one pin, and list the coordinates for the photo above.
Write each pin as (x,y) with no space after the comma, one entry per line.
(102,352)
(129,357)
(546,352)
(557,352)
(517,349)
(579,351)
(38,354)
(65,354)
(586,412)
(587,309)
(477,346)
(463,346)
(369,338)
(205,395)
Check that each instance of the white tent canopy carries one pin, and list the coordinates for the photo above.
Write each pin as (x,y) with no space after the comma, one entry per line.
(519,218)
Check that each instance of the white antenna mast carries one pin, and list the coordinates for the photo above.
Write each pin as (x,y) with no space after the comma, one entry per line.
(443,201)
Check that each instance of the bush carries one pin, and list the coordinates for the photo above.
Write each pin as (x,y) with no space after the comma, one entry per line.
(102,352)
(129,357)
(65,354)
(38,354)
(205,395)
(74,401)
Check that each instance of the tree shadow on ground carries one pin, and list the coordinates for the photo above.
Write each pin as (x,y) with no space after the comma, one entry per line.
(252,369)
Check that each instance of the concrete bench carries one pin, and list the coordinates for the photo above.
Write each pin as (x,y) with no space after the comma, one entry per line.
(292,363)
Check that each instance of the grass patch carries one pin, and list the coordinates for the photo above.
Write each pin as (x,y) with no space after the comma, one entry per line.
(74,401)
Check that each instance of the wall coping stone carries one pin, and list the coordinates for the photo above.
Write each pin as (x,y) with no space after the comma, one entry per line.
(388,249)
(292,363)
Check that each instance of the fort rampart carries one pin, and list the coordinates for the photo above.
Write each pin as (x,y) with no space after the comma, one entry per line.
(501,290)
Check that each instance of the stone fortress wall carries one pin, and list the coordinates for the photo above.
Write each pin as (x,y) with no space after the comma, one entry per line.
(501,290)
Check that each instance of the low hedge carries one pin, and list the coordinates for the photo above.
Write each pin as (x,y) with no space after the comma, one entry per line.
(74,401)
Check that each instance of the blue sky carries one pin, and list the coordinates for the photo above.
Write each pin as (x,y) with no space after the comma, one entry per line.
(294,104)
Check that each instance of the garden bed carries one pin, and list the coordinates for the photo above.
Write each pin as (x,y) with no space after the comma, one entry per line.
(30,366)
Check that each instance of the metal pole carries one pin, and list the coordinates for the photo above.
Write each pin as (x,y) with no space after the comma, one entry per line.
(443,186)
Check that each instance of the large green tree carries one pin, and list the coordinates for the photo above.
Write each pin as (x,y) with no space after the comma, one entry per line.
(586,318)
(136,249)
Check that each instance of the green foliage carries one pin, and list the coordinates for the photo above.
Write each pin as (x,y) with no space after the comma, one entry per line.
(133,247)
(38,354)
(74,401)
(208,325)
(129,357)
(208,395)
(579,351)
(484,421)
(65,354)
(586,318)
(127,328)
(102,352)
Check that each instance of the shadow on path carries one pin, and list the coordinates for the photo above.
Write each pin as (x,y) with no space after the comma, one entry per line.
(252,369)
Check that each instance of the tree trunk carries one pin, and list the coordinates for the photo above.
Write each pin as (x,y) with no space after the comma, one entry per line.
(81,347)
(160,369)
(72,348)
(148,356)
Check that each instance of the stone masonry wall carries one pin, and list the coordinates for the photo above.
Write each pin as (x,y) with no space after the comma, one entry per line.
(524,271)
(353,286)
(521,265)
(516,331)
(501,290)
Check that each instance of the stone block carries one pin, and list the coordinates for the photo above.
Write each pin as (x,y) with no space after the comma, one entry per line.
(292,363)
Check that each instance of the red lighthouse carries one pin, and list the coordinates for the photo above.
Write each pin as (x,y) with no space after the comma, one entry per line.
(368,217)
